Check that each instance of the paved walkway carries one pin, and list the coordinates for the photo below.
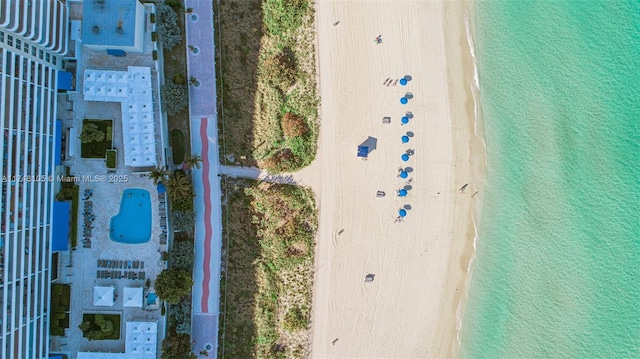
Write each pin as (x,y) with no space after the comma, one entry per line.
(204,141)
(258,174)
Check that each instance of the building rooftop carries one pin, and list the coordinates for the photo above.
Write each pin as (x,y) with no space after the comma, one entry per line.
(109,22)
(132,88)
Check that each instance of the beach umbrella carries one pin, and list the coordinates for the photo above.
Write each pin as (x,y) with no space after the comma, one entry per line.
(405,157)
(404,174)
(405,139)
(404,120)
(403,100)
(402,193)
(403,82)
(161,188)
(402,213)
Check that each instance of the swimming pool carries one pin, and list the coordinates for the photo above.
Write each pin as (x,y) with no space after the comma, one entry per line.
(132,225)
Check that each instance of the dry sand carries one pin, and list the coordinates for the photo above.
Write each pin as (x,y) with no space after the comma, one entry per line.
(411,309)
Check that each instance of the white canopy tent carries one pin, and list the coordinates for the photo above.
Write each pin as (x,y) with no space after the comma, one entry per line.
(132,297)
(141,342)
(103,296)
(132,88)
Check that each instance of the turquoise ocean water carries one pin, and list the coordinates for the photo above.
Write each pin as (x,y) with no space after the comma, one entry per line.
(557,273)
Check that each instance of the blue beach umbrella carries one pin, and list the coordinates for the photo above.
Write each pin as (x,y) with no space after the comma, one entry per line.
(403,82)
(402,193)
(404,120)
(403,100)
(402,213)
(405,139)
(161,188)
(404,174)
(405,157)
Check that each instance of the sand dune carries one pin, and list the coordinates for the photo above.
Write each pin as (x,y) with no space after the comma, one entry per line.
(410,309)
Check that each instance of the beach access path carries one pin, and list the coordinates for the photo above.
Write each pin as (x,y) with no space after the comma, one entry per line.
(413,306)
(204,141)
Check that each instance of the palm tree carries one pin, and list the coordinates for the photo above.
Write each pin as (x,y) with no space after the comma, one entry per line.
(159,174)
(179,186)
(194,161)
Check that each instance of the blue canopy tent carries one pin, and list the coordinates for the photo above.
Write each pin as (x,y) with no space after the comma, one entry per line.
(403,100)
(61,224)
(402,193)
(65,80)
(161,188)
(404,120)
(402,213)
(405,157)
(403,174)
(363,151)
(405,139)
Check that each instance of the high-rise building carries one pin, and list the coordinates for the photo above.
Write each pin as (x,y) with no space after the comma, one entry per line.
(33,39)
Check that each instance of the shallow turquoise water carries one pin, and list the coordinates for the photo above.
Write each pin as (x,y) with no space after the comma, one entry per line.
(557,273)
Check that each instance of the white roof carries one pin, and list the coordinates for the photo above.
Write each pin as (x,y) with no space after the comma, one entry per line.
(132,88)
(141,342)
(132,297)
(103,296)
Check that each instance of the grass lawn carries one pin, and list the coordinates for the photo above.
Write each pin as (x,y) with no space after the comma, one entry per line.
(175,63)
(178,146)
(113,318)
(98,149)
(269,270)
(112,159)
(267,60)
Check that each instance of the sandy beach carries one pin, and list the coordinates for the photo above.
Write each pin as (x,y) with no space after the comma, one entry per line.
(413,307)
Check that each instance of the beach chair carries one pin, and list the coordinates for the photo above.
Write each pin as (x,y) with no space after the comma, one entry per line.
(141,264)
(136,264)
(386,120)
(141,275)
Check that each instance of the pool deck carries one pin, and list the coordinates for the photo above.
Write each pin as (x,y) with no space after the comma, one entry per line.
(204,141)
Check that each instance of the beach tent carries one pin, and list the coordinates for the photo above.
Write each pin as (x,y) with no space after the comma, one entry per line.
(402,213)
(363,151)
(403,174)
(132,297)
(405,139)
(405,157)
(402,193)
(103,296)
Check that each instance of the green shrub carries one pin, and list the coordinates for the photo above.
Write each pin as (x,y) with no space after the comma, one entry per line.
(168,29)
(295,319)
(112,158)
(179,79)
(152,18)
(154,54)
(282,17)
(173,284)
(175,97)
(100,326)
(154,36)
(178,146)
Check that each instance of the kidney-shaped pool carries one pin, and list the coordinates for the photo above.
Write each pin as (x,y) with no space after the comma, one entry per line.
(132,225)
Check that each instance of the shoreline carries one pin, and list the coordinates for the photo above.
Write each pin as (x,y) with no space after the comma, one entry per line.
(425,263)
(465,106)
(465,111)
